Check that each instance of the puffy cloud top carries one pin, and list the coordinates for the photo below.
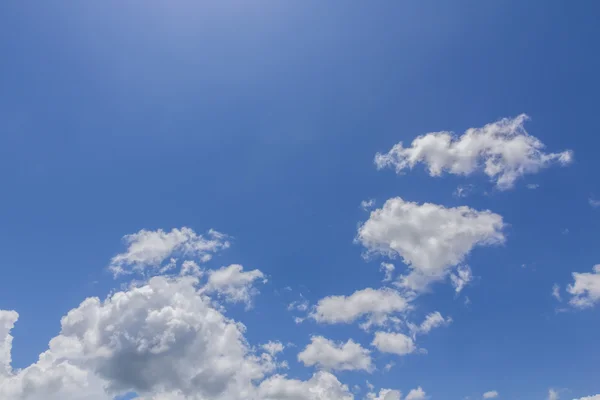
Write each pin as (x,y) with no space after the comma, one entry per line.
(503,150)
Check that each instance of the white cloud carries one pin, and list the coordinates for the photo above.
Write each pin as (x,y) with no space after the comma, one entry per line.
(233,283)
(490,395)
(322,386)
(556,292)
(388,270)
(432,320)
(160,337)
(374,304)
(416,394)
(395,343)
(7,322)
(532,186)
(594,203)
(553,395)
(596,397)
(148,249)
(367,204)
(273,347)
(385,394)
(163,340)
(461,278)
(503,150)
(586,288)
(329,355)
(430,238)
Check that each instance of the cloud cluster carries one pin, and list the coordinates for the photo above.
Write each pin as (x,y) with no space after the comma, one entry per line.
(163,340)
(149,249)
(167,337)
(503,150)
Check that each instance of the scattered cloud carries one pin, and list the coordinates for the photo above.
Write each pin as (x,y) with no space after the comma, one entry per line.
(148,249)
(595,397)
(430,238)
(385,394)
(376,305)
(233,284)
(503,150)
(367,204)
(462,191)
(299,305)
(461,278)
(585,291)
(594,203)
(273,347)
(556,292)
(388,270)
(432,320)
(532,186)
(395,343)
(490,395)
(553,395)
(416,394)
(329,355)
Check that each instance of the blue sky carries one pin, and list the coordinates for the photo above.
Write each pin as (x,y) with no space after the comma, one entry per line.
(262,121)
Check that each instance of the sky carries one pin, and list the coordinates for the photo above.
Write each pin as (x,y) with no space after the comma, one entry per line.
(299,200)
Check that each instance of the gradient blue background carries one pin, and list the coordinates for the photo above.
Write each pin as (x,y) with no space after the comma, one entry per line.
(261,119)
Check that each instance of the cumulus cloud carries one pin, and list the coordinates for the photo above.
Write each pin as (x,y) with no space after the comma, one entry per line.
(552,394)
(376,305)
(490,395)
(7,322)
(161,337)
(385,394)
(461,278)
(430,238)
(395,343)
(329,355)
(595,397)
(585,290)
(273,347)
(322,386)
(148,249)
(416,394)
(233,284)
(503,150)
